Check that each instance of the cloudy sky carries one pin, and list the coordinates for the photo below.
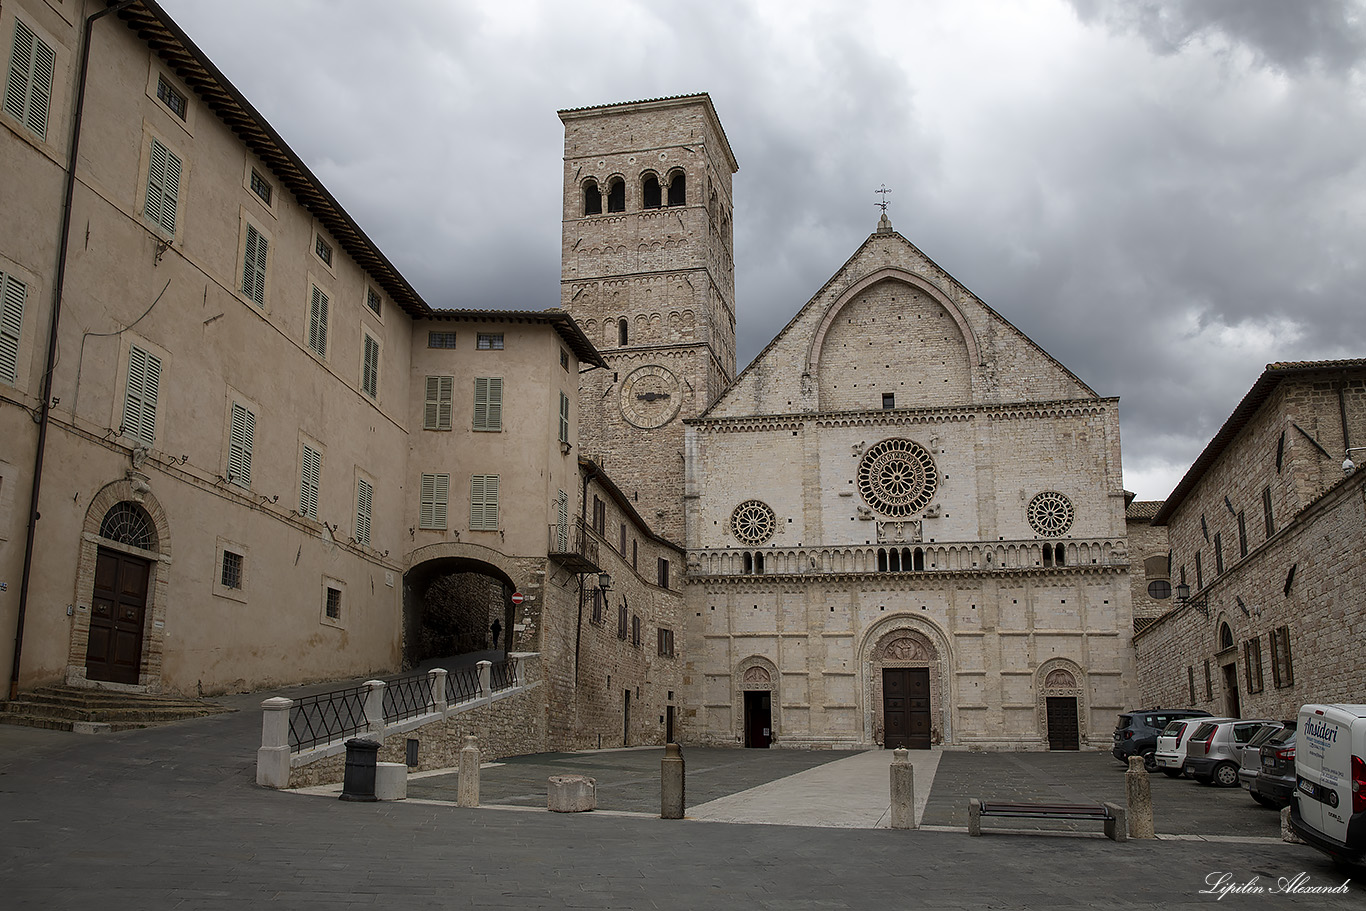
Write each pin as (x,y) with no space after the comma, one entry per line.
(1164,194)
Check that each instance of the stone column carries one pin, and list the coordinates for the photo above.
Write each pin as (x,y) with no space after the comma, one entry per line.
(374,710)
(437,677)
(1139,799)
(903,790)
(671,783)
(467,779)
(485,679)
(272,759)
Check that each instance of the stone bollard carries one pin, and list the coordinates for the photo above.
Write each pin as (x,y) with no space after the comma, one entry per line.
(467,777)
(671,783)
(1287,833)
(903,790)
(572,794)
(272,759)
(1139,799)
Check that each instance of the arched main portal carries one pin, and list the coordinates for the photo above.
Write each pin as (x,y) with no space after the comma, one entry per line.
(457,600)
(122,578)
(906,679)
(1061,704)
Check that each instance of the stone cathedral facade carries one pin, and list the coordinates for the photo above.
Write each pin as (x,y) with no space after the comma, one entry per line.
(904,521)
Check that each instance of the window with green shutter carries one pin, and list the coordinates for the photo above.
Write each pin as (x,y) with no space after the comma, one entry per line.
(488,403)
(433,498)
(562,523)
(254,266)
(564,418)
(364,494)
(140,395)
(317,322)
(241,438)
(309,475)
(440,393)
(484,502)
(28,92)
(369,380)
(12,294)
(163,187)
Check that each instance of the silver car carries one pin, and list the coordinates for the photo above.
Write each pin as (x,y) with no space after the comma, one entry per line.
(1211,755)
(1171,744)
(1250,755)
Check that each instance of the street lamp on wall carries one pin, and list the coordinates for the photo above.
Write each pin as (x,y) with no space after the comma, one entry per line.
(1199,602)
(605,581)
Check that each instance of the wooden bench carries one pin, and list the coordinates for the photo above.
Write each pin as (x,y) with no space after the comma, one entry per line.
(1112,815)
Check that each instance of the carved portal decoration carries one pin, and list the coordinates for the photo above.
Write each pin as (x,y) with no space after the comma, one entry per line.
(906,640)
(1059,677)
(751,674)
(897,477)
(757,675)
(905,532)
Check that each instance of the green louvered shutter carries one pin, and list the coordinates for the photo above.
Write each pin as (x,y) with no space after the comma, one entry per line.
(12,293)
(364,494)
(370,372)
(434,496)
(254,266)
(309,476)
(436,415)
(317,322)
(28,92)
(484,502)
(140,395)
(163,187)
(241,439)
(488,403)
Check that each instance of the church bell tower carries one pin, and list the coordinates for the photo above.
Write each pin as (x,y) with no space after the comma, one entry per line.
(647,271)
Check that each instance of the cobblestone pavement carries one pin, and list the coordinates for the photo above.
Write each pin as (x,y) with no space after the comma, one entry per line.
(172,818)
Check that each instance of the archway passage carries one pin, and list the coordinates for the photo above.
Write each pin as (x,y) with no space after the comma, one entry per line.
(906,707)
(455,606)
(117,613)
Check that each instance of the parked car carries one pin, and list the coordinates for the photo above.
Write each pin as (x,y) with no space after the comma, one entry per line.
(1211,755)
(1329,805)
(1136,733)
(1250,754)
(1171,745)
(1275,781)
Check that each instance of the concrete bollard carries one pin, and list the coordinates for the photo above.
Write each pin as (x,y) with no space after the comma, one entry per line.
(671,783)
(903,790)
(572,794)
(467,777)
(1139,799)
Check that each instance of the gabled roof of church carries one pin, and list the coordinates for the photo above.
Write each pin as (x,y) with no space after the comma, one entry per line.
(884,229)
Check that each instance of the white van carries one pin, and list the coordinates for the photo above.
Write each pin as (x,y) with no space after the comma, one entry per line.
(1329,806)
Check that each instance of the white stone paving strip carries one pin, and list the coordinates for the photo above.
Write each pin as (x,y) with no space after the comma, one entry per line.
(850,793)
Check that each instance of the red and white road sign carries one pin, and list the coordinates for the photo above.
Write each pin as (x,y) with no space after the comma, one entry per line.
(518,597)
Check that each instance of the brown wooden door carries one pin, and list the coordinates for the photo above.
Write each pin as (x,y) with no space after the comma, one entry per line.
(906,707)
(1063,732)
(114,650)
(758,719)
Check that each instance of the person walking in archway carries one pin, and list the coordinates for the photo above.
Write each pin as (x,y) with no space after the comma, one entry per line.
(497,628)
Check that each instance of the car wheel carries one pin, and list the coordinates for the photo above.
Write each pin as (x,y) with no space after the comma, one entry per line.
(1150,761)
(1172,773)
(1226,775)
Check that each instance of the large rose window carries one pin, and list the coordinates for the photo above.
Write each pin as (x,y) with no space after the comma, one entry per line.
(897,477)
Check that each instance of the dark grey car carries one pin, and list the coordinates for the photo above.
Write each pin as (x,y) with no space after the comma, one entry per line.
(1276,780)
(1136,732)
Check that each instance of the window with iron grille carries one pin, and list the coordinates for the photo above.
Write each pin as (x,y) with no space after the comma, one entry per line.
(489,341)
(12,294)
(365,494)
(140,395)
(241,439)
(231,576)
(622,614)
(309,476)
(488,403)
(323,249)
(254,266)
(334,603)
(635,630)
(666,642)
(1282,672)
(1252,664)
(440,339)
(28,92)
(436,415)
(435,491)
(564,418)
(369,380)
(163,187)
(663,571)
(317,322)
(172,98)
(484,502)
(261,187)
(372,300)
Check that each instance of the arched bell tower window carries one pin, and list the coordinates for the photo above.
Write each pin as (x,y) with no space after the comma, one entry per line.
(592,198)
(650,192)
(623,330)
(616,195)
(678,189)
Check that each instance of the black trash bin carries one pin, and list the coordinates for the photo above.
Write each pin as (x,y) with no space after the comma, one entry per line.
(362,757)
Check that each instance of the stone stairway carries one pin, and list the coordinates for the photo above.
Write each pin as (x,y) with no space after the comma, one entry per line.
(85,710)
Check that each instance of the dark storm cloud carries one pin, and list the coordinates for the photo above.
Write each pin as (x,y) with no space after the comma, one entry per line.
(1164,196)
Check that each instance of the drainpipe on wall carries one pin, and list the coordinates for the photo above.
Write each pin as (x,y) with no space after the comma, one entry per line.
(583,517)
(45,403)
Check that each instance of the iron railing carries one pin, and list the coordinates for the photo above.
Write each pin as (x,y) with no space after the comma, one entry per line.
(407,697)
(573,546)
(503,675)
(462,684)
(326,717)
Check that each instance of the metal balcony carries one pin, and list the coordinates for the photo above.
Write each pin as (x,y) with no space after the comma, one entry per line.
(574,547)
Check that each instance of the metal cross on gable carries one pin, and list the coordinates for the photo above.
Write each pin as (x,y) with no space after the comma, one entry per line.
(883,204)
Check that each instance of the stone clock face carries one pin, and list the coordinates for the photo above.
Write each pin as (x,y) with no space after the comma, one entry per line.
(650,397)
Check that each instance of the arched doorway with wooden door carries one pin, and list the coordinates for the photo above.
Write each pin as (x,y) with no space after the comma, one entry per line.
(1061,704)
(1227,656)
(756,714)
(121,584)
(906,684)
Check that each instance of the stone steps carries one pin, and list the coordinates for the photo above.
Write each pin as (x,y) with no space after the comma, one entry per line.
(67,708)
